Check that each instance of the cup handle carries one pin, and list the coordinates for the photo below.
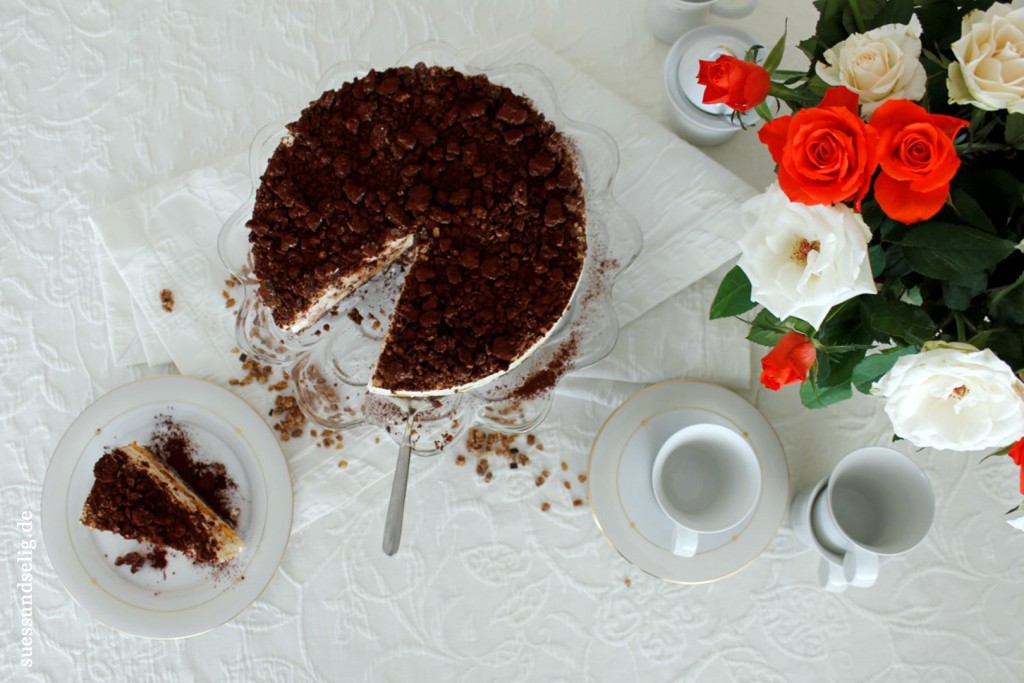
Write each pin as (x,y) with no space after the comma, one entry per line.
(830,576)
(860,568)
(684,542)
(734,12)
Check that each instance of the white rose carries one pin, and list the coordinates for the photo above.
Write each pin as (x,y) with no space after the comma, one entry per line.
(953,397)
(802,260)
(989,67)
(882,64)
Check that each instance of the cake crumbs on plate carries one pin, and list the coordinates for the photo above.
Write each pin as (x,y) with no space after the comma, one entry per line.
(545,506)
(342,464)
(628,581)
(156,558)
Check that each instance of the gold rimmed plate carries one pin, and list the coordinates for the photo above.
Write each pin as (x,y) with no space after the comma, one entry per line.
(622,497)
(184,599)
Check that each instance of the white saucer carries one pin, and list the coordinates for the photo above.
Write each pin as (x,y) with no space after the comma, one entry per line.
(622,497)
(185,599)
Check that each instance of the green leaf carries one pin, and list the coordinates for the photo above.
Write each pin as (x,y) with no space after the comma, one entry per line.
(810,47)
(901,322)
(871,368)
(1007,303)
(876,254)
(896,265)
(895,12)
(733,295)
(941,22)
(969,211)
(830,28)
(774,58)
(813,396)
(766,329)
(853,17)
(764,112)
(944,251)
(817,85)
(840,366)
(998,191)
(958,293)
(1008,344)
(1014,133)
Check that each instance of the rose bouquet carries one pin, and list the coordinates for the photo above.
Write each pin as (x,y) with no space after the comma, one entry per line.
(887,258)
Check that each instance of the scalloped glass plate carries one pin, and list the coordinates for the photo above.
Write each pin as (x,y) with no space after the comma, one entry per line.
(331,363)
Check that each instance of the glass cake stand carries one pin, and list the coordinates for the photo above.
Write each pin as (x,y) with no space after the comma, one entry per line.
(330,364)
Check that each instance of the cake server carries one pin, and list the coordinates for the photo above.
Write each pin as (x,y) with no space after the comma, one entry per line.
(396,506)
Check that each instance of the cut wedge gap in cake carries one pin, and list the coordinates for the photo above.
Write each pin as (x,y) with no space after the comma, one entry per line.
(345,284)
(464,171)
(137,496)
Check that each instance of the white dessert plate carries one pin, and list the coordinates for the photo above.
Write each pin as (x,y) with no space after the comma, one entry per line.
(622,496)
(185,599)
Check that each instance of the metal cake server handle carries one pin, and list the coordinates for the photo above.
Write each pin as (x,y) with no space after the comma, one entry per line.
(396,506)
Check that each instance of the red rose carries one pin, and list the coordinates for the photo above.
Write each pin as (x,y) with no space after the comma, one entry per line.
(916,153)
(1017,455)
(733,82)
(825,154)
(788,362)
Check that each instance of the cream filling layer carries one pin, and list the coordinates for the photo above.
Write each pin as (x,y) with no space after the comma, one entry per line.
(337,291)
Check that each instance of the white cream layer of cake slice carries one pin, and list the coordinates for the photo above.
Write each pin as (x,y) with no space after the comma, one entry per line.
(343,287)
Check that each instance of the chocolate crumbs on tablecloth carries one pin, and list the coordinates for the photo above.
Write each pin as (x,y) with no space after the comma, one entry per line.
(208,479)
(486,187)
(491,447)
(292,420)
(167,300)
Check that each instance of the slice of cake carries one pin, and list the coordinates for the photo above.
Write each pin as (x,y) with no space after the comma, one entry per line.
(465,176)
(136,496)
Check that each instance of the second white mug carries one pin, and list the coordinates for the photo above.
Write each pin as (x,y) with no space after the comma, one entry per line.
(878,503)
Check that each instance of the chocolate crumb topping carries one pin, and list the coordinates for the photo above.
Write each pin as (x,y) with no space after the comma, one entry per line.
(127,500)
(481,182)
(208,480)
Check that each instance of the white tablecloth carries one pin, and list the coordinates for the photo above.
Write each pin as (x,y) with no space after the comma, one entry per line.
(99,101)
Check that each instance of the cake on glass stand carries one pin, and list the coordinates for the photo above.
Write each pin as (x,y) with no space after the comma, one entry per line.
(331,363)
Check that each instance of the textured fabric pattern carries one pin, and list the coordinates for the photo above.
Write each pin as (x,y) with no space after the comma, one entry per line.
(99,101)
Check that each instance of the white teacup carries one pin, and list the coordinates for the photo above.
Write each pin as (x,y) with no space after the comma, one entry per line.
(669,19)
(707,479)
(877,504)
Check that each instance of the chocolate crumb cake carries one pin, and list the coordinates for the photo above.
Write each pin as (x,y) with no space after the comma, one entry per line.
(463,176)
(137,496)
